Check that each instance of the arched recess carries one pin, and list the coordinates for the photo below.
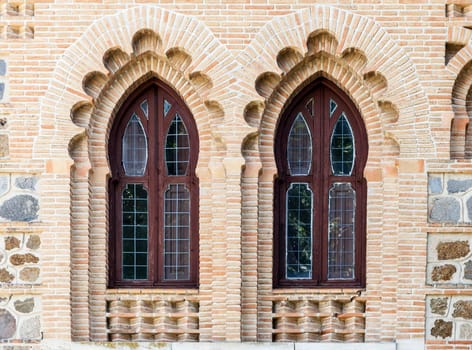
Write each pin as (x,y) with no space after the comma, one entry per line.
(286,55)
(460,69)
(91,80)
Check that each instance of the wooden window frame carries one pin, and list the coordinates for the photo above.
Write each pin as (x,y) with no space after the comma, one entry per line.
(320,180)
(155,181)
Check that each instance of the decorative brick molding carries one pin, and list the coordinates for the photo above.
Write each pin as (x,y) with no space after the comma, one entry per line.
(319,319)
(152,319)
(90,94)
(289,52)
(118,50)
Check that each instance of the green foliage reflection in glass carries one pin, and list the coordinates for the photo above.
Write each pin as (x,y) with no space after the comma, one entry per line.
(342,147)
(177,149)
(299,231)
(135,232)
(341,243)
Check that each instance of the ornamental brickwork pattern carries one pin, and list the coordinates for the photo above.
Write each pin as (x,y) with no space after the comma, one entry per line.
(67,67)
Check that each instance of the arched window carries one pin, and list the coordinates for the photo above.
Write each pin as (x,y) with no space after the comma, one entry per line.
(320,191)
(153,191)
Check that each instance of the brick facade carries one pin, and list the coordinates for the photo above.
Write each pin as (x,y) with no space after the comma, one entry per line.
(67,66)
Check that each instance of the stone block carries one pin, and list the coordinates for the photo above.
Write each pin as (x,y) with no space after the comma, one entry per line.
(26,183)
(452,250)
(4,184)
(457,186)
(4,148)
(12,242)
(465,331)
(439,306)
(446,210)
(6,276)
(468,205)
(30,329)
(24,306)
(21,259)
(7,324)
(29,274)
(34,242)
(463,309)
(443,273)
(20,208)
(3,67)
(468,270)
(435,185)
(442,329)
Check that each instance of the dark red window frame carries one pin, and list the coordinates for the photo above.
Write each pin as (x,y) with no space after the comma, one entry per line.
(320,179)
(155,181)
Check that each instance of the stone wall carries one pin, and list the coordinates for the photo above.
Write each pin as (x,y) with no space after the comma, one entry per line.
(65,67)
(449,259)
(449,317)
(20,317)
(450,198)
(18,198)
(19,259)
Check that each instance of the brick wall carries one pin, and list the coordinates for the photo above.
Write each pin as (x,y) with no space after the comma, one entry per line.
(67,66)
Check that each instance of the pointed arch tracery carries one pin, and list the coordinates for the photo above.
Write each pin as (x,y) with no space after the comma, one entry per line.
(320,190)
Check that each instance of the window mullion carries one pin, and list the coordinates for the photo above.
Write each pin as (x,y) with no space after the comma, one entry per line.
(155,181)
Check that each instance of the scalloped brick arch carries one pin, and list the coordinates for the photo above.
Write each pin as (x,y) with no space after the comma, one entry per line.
(363,60)
(86,54)
(351,31)
(89,83)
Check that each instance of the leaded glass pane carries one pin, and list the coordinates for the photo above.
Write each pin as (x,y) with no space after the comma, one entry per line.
(299,148)
(299,231)
(342,147)
(134,145)
(167,107)
(145,108)
(177,232)
(310,106)
(134,232)
(177,148)
(341,220)
(332,107)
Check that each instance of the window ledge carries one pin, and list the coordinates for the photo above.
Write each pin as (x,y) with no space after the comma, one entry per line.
(151,291)
(321,291)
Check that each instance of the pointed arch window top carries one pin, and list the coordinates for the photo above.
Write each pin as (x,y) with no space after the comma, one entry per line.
(299,149)
(342,148)
(167,107)
(177,148)
(310,106)
(145,108)
(153,192)
(332,107)
(135,152)
(320,194)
